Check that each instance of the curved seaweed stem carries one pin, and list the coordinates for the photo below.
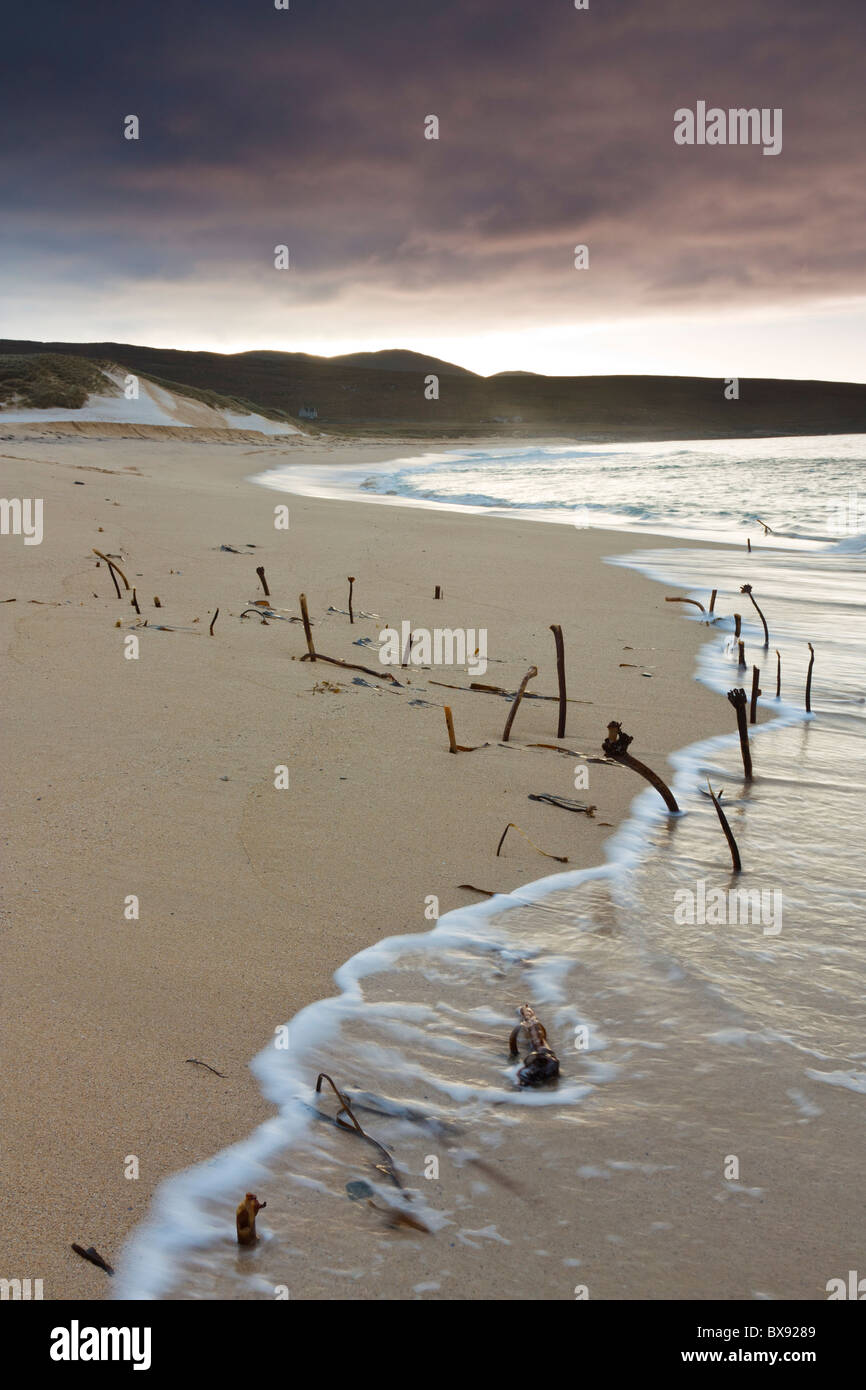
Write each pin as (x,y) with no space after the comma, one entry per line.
(809,679)
(616,746)
(729,834)
(747,589)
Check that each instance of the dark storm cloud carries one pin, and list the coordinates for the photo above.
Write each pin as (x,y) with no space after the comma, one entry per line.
(306,127)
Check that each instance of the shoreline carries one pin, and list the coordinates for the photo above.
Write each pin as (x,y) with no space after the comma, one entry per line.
(140,802)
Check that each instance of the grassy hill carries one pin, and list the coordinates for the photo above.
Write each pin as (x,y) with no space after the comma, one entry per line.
(48,379)
(358,395)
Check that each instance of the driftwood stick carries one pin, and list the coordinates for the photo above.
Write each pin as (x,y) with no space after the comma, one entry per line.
(616,747)
(753,707)
(112,565)
(533,671)
(560,858)
(213,620)
(713,599)
(738,700)
(311,650)
(260,571)
(688,600)
(351,586)
(809,679)
(729,835)
(134,602)
(747,589)
(778,674)
(560,676)
(768,530)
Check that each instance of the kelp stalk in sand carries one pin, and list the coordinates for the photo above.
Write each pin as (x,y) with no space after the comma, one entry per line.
(93,1256)
(386,1165)
(560,676)
(747,589)
(450,723)
(729,835)
(738,700)
(111,572)
(753,707)
(456,747)
(687,600)
(260,571)
(351,666)
(778,674)
(481,689)
(738,622)
(713,600)
(394,1217)
(197,1063)
(438,591)
(351,587)
(112,566)
(741,660)
(531,673)
(134,602)
(311,650)
(560,858)
(809,679)
(541,1062)
(313,655)
(616,746)
(213,620)
(564,802)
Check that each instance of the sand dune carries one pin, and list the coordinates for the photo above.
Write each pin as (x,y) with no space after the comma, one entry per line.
(154,406)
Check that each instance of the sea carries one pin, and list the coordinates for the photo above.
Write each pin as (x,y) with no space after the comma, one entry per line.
(705,1136)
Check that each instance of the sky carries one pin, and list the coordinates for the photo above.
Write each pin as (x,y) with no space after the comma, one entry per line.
(306,128)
